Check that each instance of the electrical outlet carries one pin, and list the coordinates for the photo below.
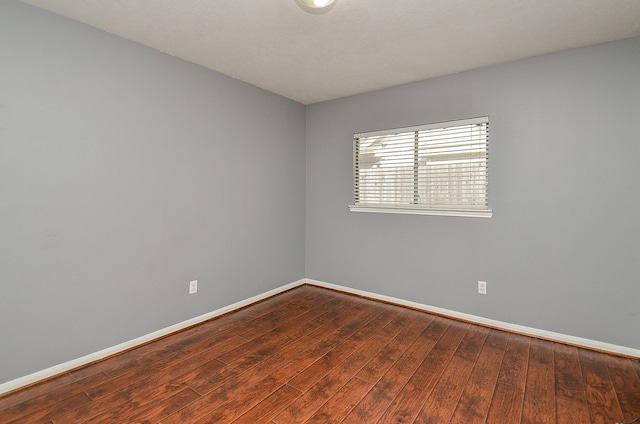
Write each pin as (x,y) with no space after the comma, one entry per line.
(482,287)
(193,286)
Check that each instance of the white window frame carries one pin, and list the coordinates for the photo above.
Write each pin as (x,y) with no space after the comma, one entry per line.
(406,200)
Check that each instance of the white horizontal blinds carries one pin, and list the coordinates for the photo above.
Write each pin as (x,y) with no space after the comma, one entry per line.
(441,166)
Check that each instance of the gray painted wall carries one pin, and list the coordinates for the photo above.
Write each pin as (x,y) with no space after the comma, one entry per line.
(561,252)
(125,173)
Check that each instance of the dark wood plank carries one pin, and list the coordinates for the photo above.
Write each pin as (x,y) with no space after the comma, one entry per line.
(268,345)
(278,368)
(508,397)
(316,349)
(601,397)
(395,326)
(277,318)
(570,389)
(444,397)
(337,354)
(311,400)
(259,392)
(283,335)
(473,406)
(515,363)
(340,318)
(568,374)
(428,373)
(410,399)
(164,369)
(339,405)
(624,375)
(47,400)
(405,407)
(570,412)
(267,408)
(380,398)
(137,394)
(43,415)
(160,409)
(506,405)
(539,396)
(20,396)
(338,335)
(472,343)
(379,365)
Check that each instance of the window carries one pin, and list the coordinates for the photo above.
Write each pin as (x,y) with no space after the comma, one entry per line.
(435,169)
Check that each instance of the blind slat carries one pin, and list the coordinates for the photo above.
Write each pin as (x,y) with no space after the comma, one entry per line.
(430,166)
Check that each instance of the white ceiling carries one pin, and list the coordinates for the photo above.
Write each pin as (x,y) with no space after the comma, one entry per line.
(359,45)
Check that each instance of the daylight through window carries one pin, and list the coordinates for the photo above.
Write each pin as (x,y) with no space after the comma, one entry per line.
(438,169)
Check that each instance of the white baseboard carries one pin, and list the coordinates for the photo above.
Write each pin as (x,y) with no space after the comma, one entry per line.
(96,356)
(520,329)
(514,328)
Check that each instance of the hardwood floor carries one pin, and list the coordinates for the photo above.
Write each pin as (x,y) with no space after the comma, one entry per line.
(312,355)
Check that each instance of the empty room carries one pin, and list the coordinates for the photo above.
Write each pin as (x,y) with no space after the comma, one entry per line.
(319,211)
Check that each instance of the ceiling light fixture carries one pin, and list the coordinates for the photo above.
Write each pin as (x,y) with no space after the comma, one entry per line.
(315,6)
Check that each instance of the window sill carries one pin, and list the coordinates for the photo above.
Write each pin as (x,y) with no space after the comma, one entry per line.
(469,213)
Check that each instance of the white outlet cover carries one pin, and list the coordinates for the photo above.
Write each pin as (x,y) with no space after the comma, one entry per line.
(482,287)
(193,286)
